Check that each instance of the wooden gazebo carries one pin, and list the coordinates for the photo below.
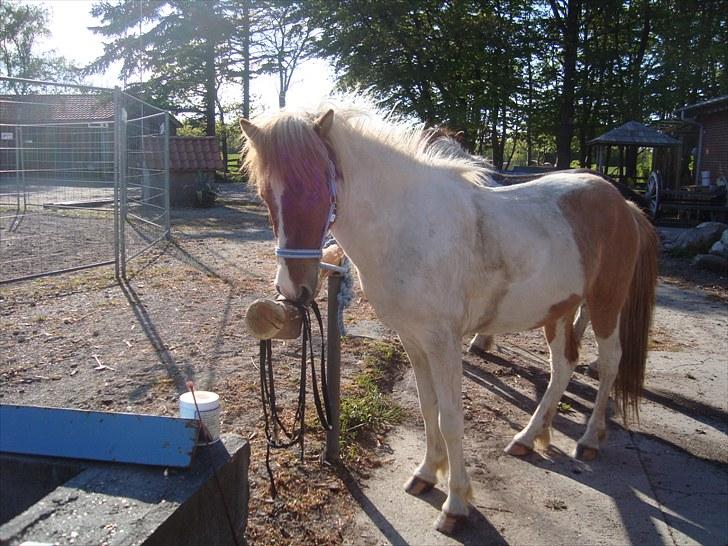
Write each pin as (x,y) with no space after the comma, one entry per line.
(663,187)
(628,139)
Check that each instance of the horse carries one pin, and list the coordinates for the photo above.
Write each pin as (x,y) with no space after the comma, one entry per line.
(442,255)
(442,140)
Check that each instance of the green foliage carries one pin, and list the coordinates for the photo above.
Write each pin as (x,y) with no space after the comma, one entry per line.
(205,191)
(522,78)
(21,27)
(182,50)
(531,70)
(366,409)
(191,129)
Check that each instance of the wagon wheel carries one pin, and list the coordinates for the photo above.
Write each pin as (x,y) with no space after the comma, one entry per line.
(654,193)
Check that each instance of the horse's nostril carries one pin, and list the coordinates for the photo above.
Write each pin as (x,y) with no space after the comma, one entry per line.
(278,289)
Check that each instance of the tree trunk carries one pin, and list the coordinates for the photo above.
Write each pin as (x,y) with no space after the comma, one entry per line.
(570,44)
(223,138)
(246,59)
(282,81)
(529,141)
(210,89)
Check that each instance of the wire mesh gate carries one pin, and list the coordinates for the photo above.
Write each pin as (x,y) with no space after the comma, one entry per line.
(83,178)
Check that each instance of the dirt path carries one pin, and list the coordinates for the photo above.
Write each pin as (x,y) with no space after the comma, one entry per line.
(662,482)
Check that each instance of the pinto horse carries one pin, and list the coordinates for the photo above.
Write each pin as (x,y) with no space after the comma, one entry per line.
(440,255)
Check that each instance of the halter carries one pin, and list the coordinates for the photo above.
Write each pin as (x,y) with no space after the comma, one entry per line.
(312,253)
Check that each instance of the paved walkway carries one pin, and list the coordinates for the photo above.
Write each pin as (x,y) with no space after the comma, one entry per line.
(664,482)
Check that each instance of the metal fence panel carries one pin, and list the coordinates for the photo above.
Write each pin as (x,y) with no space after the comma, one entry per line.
(144,192)
(63,181)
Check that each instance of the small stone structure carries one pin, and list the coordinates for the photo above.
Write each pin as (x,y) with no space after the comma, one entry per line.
(68,501)
(192,164)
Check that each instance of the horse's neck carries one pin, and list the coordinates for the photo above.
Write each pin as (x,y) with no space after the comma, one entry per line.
(370,197)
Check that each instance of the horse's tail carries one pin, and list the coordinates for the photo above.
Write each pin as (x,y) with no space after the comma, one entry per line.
(635,319)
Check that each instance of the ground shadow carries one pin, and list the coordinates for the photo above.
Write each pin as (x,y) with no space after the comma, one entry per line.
(370,509)
(478,530)
(178,376)
(633,503)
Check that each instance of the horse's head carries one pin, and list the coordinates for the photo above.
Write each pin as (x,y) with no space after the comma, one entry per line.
(288,159)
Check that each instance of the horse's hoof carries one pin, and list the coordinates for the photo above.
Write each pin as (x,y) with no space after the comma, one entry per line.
(449,524)
(417,486)
(518,450)
(584,453)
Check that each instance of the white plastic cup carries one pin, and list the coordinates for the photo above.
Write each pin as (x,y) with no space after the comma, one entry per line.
(209,405)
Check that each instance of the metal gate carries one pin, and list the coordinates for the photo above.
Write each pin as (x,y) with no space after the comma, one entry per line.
(83,178)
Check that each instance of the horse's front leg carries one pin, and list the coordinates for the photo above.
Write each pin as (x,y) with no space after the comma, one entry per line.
(564,355)
(446,366)
(434,463)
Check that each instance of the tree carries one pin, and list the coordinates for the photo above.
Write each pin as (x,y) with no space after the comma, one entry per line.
(566,17)
(456,63)
(286,40)
(20,28)
(183,46)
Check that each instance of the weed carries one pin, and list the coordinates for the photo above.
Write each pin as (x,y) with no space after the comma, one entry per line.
(565,407)
(366,409)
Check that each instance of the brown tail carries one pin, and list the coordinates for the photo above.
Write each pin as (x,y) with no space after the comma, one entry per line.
(635,320)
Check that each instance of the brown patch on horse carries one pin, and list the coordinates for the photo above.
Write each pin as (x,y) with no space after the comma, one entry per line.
(564,310)
(618,247)
(273,144)
(267,195)
(605,233)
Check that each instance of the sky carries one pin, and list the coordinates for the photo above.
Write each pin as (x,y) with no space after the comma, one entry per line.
(70,37)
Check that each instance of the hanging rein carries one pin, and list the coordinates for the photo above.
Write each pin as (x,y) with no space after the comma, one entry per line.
(274,426)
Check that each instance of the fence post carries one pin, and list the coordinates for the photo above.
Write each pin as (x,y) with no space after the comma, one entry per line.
(117,182)
(123,186)
(168,223)
(333,367)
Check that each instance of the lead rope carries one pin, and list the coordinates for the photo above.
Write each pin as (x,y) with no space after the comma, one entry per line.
(294,434)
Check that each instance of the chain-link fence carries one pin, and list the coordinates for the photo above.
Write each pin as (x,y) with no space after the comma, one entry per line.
(83,178)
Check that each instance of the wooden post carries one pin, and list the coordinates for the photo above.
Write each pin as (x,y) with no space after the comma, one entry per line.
(333,367)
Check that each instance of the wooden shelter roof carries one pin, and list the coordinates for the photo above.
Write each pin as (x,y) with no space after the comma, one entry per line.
(635,134)
(716,104)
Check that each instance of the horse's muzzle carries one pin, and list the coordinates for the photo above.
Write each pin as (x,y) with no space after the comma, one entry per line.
(303,297)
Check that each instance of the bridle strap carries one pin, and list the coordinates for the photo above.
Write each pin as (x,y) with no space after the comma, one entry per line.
(299,253)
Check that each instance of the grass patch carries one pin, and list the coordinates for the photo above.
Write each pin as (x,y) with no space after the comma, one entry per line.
(367,409)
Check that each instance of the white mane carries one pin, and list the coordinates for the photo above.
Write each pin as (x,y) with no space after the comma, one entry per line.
(408,137)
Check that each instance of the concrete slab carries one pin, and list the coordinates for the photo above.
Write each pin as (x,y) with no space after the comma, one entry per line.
(116,504)
(665,481)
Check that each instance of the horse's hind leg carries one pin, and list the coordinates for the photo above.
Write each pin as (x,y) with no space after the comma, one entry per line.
(480,343)
(610,353)
(435,460)
(581,322)
(564,354)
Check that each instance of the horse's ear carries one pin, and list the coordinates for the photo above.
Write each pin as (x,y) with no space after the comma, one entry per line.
(249,129)
(323,124)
